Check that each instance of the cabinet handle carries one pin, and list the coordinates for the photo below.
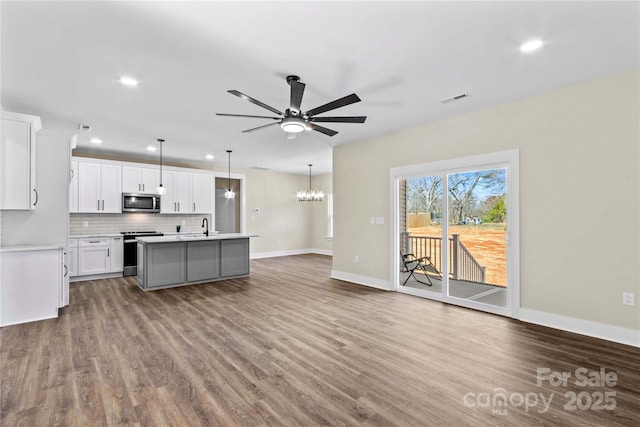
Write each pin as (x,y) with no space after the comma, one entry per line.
(143,187)
(94,241)
(103,205)
(194,206)
(72,173)
(36,202)
(66,270)
(178,206)
(98,204)
(108,253)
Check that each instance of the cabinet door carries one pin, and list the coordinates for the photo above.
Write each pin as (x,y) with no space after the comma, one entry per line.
(131,180)
(234,257)
(203,260)
(182,193)
(15,165)
(202,188)
(149,179)
(93,260)
(73,187)
(111,188)
(88,187)
(117,254)
(72,261)
(165,264)
(167,204)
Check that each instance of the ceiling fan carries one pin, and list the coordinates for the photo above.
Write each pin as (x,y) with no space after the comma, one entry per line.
(293,119)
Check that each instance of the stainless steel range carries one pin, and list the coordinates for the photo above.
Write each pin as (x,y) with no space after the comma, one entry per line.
(131,250)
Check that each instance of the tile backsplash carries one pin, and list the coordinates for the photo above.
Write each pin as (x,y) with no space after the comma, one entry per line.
(115,223)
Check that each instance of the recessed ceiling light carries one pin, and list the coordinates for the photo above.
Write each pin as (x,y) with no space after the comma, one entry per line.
(209,156)
(96,141)
(151,148)
(128,81)
(531,45)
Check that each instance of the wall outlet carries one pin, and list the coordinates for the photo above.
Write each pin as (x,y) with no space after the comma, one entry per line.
(628,298)
(356,258)
(373,220)
(85,223)
(380,220)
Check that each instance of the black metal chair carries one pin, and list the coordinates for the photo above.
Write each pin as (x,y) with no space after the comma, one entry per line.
(423,265)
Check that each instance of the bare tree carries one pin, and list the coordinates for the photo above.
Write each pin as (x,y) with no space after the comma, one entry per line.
(424,194)
(464,188)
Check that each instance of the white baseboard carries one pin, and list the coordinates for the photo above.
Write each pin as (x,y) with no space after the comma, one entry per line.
(272,254)
(584,327)
(361,280)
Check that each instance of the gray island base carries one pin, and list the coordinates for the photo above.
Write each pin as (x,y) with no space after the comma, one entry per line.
(169,261)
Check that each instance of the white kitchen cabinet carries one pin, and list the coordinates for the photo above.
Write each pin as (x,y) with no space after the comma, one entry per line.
(94,256)
(139,180)
(18,161)
(73,187)
(31,285)
(72,258)
(99,187)
(201,193)
(117,255)
(178,196)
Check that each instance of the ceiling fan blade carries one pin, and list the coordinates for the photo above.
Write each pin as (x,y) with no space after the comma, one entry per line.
(254,101)
(351,119)
(349,99)
(322,129)
(297,90)
(244,115)
(259,127)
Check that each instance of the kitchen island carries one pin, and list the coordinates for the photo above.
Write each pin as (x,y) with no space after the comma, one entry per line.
(168,261)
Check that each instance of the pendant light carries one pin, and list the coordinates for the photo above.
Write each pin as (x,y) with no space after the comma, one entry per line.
(311,195)
(160,189)
(229,194)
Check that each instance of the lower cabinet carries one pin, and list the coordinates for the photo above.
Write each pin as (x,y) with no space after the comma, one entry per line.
(203,261)
(167,264)
(31,285)
(93,256)
(234,257)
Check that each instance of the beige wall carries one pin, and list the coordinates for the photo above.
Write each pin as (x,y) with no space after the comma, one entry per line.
(319,211)
(579,191)
(283,223)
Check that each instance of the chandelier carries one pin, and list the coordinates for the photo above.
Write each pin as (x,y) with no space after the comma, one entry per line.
(311,195)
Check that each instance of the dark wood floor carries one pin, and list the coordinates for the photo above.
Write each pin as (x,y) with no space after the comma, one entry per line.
(290,346)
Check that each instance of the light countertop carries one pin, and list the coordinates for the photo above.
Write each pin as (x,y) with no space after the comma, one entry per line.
(28,248)
(192,237)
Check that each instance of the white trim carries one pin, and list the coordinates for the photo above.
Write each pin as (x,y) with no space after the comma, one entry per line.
(274,254)
(583,327)
(96,277)
(362,280)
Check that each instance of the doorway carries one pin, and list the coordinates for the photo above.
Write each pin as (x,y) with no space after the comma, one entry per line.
(460,218)
(227,211)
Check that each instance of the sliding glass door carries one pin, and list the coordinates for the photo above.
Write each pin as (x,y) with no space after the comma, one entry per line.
(455,227)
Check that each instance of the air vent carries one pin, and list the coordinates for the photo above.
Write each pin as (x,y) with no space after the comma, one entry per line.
(455,98)
(84,127)
(260,168)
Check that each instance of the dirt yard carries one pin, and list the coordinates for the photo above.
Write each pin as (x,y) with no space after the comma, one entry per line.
(485,242)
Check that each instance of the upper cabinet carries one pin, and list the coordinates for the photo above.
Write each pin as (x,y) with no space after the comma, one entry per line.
(73,187)
(178,196)
(96,186)
(99,187)
(139,180)
(201,193)
(18,161)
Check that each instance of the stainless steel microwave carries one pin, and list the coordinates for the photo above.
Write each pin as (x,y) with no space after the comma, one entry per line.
(140,202)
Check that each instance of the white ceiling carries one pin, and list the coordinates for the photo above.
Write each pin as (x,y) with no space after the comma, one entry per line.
(62,61)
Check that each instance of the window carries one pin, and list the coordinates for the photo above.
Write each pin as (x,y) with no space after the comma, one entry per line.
(330,216)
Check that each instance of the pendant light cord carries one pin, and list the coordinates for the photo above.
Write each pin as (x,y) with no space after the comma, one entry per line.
(160,141)
(229,180)
(310,178)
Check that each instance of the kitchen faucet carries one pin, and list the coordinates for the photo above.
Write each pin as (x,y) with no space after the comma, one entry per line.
(206,221)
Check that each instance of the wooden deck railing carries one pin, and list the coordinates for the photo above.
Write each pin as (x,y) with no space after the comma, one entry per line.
(462,264)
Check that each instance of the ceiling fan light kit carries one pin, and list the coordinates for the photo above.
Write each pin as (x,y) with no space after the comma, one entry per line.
(293,119)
